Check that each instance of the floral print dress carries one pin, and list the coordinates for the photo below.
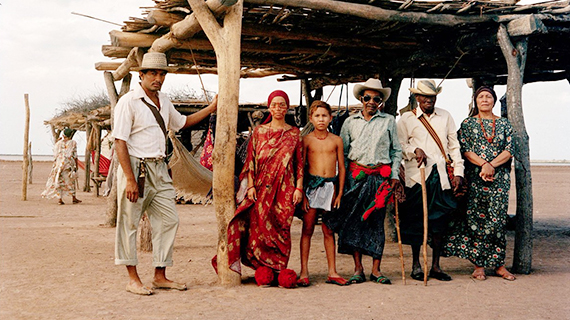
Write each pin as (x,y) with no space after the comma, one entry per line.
(480,235)
(63,175)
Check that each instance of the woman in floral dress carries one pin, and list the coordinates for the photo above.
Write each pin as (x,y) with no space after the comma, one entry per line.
(486,143)
(63,176)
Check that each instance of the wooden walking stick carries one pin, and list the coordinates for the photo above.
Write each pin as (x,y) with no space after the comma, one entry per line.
(424,200)
(399,239)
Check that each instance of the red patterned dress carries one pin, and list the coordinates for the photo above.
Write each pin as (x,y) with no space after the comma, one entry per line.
(260,232)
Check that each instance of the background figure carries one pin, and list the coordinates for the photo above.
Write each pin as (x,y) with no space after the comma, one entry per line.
(259,235)
(63,177)
(420,147)
(486,143)
(372,154)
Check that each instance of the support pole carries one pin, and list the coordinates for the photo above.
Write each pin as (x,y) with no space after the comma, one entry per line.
(391,105)
(30,163)
(111,213)
(515,56)
(426,219)
(26,161)
(87,159)
(227,44)
(97,154)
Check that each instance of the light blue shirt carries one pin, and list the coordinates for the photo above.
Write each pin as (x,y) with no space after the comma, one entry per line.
(372,142)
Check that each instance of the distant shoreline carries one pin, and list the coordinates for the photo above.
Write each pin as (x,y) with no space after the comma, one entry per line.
(49,157)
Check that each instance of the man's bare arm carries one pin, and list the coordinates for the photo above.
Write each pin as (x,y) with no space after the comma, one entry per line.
(194,118)
(132,189)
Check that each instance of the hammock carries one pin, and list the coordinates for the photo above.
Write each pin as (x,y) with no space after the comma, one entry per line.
(191,180)
(104,164)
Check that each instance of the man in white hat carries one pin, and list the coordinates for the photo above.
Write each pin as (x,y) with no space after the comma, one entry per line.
(373,155)
(143,182)
(419,147)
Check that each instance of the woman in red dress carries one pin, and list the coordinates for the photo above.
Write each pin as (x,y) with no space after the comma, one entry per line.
(272,180)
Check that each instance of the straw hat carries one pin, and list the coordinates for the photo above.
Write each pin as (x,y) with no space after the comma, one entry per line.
(426,88)
(154,61)
(371,84)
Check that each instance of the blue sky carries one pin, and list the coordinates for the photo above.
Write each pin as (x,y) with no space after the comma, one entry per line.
(50,54)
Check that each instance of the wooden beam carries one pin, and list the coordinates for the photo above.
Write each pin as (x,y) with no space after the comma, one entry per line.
(245,73)
(114,51)
(181,30)
(515,56)
(258,30)
(142,40)
(376,13)
(525,26)
(186,28)
(162,18)
(133,59)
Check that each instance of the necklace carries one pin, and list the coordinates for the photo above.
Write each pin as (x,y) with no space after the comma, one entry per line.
(323,138)
(488,138)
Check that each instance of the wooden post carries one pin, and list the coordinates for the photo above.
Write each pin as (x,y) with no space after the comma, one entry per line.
(515,56)
(97,155)
(30,163)
(426,220)
(26,161)
(391,106)
(111,212)
(306,90)
(87,159)
(226,41)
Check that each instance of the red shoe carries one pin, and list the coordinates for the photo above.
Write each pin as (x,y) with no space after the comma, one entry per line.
(337,280)
(303,282)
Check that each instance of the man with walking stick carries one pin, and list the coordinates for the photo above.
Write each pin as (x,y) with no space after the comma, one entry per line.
(428,136)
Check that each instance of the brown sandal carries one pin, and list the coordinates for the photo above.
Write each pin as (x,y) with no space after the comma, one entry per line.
(506,274)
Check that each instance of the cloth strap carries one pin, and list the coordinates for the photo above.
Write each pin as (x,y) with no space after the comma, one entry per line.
(157,116)
(433,134)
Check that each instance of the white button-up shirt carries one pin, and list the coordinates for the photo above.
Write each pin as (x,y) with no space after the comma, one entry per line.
(135,123)
(413,134)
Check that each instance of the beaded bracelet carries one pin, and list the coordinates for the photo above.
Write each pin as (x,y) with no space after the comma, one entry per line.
(488,164)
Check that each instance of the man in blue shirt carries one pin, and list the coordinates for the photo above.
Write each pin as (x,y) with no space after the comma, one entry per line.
(372,155)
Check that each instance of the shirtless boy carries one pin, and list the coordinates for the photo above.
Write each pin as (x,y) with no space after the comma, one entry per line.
(324,154)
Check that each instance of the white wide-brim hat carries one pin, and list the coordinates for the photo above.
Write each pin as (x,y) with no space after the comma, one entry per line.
(154,61)
(426,88)
(371,84)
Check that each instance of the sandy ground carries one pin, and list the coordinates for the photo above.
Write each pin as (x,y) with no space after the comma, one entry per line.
(57,263)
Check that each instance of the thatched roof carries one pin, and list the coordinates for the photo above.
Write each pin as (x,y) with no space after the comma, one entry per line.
(334,42)
(76,120)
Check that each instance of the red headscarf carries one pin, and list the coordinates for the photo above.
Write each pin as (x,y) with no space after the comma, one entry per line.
(278,93)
